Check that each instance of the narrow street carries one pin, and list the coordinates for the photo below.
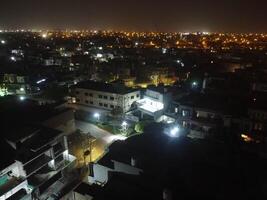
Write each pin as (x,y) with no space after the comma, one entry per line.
(102,140)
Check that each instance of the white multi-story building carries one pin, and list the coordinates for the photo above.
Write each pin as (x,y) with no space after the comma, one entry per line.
(155,102)
(40,157)
(104,96)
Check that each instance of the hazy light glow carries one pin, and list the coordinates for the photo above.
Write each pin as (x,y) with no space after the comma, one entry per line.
(22,98)
(194,83)
(174,132)
(96,115)
(99,55)
(44,35)
(3,41)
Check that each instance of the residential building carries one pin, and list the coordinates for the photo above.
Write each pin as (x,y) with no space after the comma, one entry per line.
(104,96)
(154,102)
(40,160)
(200,114)
(99,171)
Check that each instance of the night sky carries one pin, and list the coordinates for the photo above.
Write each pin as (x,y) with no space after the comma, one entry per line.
(139,15)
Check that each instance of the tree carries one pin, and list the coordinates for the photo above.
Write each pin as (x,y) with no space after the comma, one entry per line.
(139,127)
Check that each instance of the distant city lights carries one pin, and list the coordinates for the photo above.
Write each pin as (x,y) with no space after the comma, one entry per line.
(44,35)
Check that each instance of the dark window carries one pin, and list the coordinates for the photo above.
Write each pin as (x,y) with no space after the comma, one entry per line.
(132,97)
(86,94)
(137,95)
(100,96)
(100,104)
(86,101)
(78,100)
(91,102)
(91,95)
(111,106)
(77,92)
(105,97)
(106,105)
(112,98)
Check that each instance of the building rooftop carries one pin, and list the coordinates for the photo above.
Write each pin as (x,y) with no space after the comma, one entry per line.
(85,189)
(125,186)
(105,87)
(188,167)
(6,159)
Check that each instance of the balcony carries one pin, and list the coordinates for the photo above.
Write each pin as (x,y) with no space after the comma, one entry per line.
(37,164)
(12,186)
(205,121)
(58,149)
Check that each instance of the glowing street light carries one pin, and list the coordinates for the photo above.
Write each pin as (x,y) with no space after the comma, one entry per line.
(97,116)
(22,98)
(13,58)
(3,41)
(194,84)
(174,131)
(22,89)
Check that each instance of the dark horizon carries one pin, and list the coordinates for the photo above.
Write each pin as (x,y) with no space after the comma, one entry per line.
(165,16)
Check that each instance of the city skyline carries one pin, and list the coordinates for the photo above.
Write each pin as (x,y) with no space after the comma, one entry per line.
(170,15)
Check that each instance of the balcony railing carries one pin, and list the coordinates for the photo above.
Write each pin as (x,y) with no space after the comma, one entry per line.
(36,164)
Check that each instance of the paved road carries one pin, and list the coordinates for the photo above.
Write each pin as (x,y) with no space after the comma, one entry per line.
(103,138)
(96,132)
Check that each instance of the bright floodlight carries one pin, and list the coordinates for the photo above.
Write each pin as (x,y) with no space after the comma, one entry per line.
(194,83)
(99,55)
(3,41)
(97,115)
(174,132)
(22,98)
(21,89)
(124,123)
(13,58)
